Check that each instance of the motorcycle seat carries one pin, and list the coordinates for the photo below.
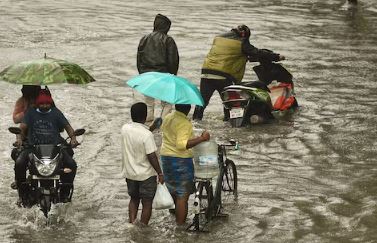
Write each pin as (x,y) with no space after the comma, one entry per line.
(238,87)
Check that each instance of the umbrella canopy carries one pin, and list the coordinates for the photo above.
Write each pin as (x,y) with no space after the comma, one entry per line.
(167,87)
(44,72)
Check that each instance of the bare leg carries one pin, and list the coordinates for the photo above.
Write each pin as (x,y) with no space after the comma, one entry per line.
(146,211)
(181,209)
(133,206)
(172,211)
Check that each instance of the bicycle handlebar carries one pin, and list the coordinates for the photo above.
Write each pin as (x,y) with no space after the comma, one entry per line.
(232,143)
(227,145)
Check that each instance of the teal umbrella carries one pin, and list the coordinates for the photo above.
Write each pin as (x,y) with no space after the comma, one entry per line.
(167,87)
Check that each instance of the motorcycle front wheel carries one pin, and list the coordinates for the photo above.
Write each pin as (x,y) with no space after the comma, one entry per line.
(45,204)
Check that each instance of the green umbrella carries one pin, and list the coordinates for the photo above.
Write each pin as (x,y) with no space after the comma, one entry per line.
(45,71)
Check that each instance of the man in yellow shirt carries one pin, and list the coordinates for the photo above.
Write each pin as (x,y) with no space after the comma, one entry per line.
(176,157)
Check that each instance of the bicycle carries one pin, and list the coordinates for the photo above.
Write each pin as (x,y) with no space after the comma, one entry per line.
(206,204)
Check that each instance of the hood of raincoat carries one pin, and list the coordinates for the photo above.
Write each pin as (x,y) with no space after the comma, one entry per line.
(161,23)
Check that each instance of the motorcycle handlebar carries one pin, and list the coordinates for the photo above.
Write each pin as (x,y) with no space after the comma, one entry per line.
(28,146)
(17,130)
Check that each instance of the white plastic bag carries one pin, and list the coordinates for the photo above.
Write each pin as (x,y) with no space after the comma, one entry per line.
(162,199)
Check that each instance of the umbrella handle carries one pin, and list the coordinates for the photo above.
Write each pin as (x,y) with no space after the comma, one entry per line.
(162,110)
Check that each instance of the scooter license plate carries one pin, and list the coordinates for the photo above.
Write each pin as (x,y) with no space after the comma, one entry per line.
(236,112)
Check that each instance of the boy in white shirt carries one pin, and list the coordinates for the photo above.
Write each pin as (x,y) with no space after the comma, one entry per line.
(140,165)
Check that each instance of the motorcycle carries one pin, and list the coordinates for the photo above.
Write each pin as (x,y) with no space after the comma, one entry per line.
(45,166)
(259,101)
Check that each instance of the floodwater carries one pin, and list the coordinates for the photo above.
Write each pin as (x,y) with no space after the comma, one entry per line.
(309,178)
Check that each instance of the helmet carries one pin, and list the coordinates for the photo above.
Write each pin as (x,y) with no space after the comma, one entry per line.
(243,31)
(44,97)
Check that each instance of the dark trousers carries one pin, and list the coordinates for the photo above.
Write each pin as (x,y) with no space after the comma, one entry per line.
(22,162)
(68,162)
(207,87)
(20,166)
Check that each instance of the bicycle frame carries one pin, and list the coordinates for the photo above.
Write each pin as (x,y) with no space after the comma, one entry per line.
(216,204)
(204,190)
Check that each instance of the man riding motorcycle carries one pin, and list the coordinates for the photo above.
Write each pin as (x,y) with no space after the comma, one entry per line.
(225,64)
(42,125)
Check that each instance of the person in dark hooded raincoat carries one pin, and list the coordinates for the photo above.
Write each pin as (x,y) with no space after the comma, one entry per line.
(157,52)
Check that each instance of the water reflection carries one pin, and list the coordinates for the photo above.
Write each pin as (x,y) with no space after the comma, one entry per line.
(357,22)
(309,178)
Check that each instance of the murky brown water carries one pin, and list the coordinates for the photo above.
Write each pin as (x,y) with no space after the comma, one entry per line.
(309,178)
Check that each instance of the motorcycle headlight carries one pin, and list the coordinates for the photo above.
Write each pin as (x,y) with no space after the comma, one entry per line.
(46,166)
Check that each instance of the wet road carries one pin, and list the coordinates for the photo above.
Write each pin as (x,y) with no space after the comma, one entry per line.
(308,178)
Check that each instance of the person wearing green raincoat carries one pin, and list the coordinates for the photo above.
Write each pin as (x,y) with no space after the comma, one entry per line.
(225,64)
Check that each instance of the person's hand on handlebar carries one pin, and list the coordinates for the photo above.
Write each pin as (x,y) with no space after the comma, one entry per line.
(74,143)
(281,57)
(18,142)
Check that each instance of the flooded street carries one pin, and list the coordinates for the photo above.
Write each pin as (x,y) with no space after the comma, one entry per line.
(309,178)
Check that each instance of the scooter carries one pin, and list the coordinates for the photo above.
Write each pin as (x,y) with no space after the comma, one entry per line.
(260,101)
(45,166)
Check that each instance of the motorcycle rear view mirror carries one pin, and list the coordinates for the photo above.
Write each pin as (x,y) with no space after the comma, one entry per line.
(15,130)
(79,132)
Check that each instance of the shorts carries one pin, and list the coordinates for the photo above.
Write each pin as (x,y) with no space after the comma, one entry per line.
(142,189)
(178,175)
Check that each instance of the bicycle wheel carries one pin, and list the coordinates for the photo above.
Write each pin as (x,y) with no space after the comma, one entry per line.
(229,183)
(205,198)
